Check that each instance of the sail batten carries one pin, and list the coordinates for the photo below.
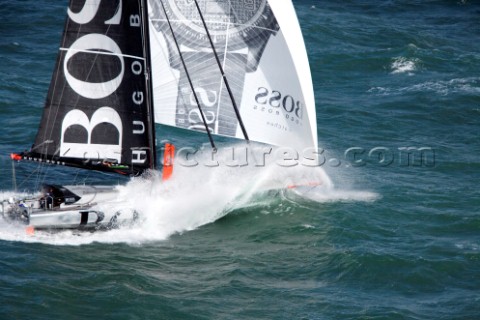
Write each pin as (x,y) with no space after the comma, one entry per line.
(103,53)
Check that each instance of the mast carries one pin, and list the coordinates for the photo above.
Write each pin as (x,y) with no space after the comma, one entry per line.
(149,87)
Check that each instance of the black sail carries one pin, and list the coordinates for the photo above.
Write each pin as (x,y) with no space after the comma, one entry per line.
(98,112)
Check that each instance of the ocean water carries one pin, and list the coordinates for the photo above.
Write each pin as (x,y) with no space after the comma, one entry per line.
(394,237)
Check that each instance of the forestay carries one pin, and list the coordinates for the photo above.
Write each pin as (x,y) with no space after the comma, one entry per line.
(262,52)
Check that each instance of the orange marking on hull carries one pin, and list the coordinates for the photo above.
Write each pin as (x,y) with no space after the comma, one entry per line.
(30,230)
(168,156)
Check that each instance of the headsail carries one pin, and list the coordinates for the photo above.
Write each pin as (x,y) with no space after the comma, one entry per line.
(97,114)
(262,52)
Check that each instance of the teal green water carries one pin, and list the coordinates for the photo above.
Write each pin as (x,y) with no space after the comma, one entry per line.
(392,240)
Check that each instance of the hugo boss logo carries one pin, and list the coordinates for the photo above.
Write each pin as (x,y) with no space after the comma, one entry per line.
(96,69)
(277,103)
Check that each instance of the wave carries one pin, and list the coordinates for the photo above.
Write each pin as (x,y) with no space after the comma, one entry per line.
(404,65)
(196,196)
(331,195)
(469,85)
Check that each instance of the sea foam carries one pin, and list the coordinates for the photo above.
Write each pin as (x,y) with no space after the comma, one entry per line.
(193,197)
(404,65)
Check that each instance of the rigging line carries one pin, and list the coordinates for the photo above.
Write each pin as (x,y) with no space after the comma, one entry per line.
(234,103)
(27,178)
(207,129)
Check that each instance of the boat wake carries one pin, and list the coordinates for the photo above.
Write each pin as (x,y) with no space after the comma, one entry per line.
(195,196)
(317,195)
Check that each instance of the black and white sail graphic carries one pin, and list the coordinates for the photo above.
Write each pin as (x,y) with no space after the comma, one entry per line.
(98,114)
(260,47)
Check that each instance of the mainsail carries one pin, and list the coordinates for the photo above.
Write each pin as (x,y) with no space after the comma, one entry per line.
(98,114)
(261,49)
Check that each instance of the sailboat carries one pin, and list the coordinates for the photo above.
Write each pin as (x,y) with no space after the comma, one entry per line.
(225,68)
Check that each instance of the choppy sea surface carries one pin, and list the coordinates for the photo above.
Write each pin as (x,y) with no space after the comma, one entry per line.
(395,237)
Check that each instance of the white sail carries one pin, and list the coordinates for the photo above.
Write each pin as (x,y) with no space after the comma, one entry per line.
(260,48)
